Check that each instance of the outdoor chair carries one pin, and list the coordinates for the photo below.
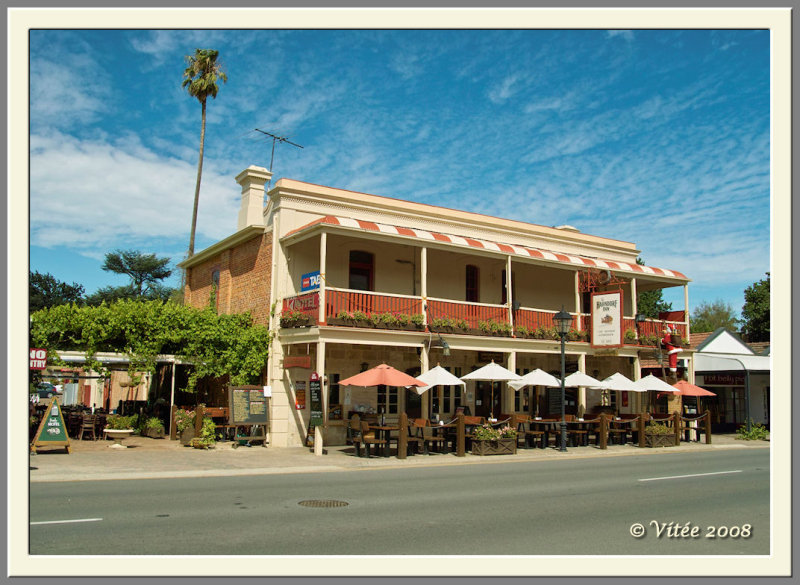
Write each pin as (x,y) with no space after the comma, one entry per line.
(430,438)
(354,433)
(368,437)
(87,426)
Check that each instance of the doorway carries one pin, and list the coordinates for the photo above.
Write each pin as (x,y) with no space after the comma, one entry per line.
(487,398)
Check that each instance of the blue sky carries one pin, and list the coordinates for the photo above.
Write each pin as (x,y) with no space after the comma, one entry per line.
(657,137)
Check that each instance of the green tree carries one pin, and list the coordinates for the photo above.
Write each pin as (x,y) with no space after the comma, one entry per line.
(44,290)
(755,312)
(145,271)
(711,316)
(650,303)
(200,79)
(217,345)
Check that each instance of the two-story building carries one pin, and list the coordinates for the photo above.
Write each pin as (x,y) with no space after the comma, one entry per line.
(350,280)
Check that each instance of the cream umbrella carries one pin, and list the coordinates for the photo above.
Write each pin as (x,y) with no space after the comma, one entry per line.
(438,376)
(576,379)
(536,378)
(492,373)
(650,382)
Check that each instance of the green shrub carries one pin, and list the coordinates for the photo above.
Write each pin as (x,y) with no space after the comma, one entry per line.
(758,432)
(658,429)
(119,423)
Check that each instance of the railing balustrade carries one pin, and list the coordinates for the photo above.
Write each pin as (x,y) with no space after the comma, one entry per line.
(350,301)
(472,313)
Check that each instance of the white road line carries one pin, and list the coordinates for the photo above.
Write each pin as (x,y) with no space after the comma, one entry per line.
(693,475)
(68,521)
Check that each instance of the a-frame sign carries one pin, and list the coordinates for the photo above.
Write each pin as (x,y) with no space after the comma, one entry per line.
(52,431)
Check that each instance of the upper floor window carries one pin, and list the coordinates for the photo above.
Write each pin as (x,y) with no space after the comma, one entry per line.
(362,268)
(473,278)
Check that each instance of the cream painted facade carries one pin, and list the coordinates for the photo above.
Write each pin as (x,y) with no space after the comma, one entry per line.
(420,257)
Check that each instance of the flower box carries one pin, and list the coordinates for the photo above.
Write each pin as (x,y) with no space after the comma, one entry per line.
(494,447)
(653,440)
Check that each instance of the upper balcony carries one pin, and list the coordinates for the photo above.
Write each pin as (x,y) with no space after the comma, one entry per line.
(387,279)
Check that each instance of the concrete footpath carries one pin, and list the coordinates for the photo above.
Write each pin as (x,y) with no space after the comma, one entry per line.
(146,458)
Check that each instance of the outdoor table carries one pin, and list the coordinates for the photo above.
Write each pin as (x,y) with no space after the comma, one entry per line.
(384,432)
(620,427)
(548,425)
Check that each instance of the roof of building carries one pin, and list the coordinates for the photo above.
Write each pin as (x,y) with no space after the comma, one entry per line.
(759,347)
(513,249)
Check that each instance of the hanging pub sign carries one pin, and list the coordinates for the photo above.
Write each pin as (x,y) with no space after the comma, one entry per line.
(52,431)
(38,358)
(315,389)
(309,281)
(607,319)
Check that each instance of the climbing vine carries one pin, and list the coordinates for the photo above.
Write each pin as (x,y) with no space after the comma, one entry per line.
(216,345)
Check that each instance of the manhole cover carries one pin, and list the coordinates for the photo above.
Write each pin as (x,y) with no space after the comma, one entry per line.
(323,503)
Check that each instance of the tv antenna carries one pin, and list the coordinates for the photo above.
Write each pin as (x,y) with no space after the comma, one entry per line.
(275,139)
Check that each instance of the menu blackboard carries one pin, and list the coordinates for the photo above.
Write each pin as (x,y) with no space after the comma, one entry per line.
(315,387)
(248,405)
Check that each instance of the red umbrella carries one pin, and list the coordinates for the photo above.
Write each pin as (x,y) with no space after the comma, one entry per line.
(382,375)
(686,389)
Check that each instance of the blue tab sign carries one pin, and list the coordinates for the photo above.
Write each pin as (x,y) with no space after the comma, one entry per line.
(309,281)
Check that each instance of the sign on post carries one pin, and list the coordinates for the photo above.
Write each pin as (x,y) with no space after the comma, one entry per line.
(248,405)
(315,388)
(607,319)
(38,359)
(309,281)
(52,431)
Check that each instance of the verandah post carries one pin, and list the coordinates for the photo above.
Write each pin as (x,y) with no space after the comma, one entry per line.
(707,416)
(402,436)
(642,420)
(603,431)
(173,432)
(460,435)
(677,427)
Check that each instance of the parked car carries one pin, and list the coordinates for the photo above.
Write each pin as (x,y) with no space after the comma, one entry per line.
(46,390)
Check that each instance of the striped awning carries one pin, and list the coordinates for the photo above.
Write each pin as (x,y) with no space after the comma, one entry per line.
(516,250)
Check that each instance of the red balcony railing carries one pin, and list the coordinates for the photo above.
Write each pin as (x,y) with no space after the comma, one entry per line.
(350,301)
(533,319)
(472,313)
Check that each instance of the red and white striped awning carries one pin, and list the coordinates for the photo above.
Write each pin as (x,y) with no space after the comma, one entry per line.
(523,251)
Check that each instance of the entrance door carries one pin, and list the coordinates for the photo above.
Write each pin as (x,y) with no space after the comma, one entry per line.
(487,398)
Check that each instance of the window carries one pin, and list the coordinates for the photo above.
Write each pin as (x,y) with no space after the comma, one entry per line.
(504,292)
(215,288)
(387,399)
(333,389)
(473,282)
(362,266)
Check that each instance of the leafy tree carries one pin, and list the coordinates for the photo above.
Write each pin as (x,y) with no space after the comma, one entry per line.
(650,303)
(144,270)
(44,290)
(217,345)
(200,79)
(755,312)
(711,316)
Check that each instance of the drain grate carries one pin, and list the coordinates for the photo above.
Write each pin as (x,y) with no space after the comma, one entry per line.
(323,503)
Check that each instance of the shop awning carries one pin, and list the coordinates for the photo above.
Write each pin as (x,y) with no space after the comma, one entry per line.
(727,362)
(349,223)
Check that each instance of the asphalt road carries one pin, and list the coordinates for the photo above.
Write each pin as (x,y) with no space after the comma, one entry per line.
(577,507)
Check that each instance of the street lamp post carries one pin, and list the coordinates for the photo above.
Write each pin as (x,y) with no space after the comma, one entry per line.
(563,322)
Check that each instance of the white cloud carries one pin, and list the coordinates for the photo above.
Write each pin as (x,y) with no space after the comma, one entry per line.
(506,88)
(626,35)
(94,195)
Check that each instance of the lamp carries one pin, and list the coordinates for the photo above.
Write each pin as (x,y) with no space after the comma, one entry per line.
(563,321)
(440,343)
(640,318)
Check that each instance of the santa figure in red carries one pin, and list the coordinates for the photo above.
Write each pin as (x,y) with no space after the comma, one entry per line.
(672,350)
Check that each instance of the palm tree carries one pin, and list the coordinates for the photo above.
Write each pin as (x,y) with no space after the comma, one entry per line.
(201,79)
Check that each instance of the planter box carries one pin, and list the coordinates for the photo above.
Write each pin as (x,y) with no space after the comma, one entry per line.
(187,435)
(498,447)
(659,440)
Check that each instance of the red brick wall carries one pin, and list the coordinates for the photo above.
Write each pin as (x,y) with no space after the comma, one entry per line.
(244,279)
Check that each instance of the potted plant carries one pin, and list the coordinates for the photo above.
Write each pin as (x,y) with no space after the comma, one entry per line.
(389,321)
(629,336)
(119,427)
(184,424)
(418,321)
(361,319)
(659,435)
(153,428)
(488,440)
(208,435)
(295,319)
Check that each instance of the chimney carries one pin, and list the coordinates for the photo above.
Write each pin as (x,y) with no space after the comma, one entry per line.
(252,180)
